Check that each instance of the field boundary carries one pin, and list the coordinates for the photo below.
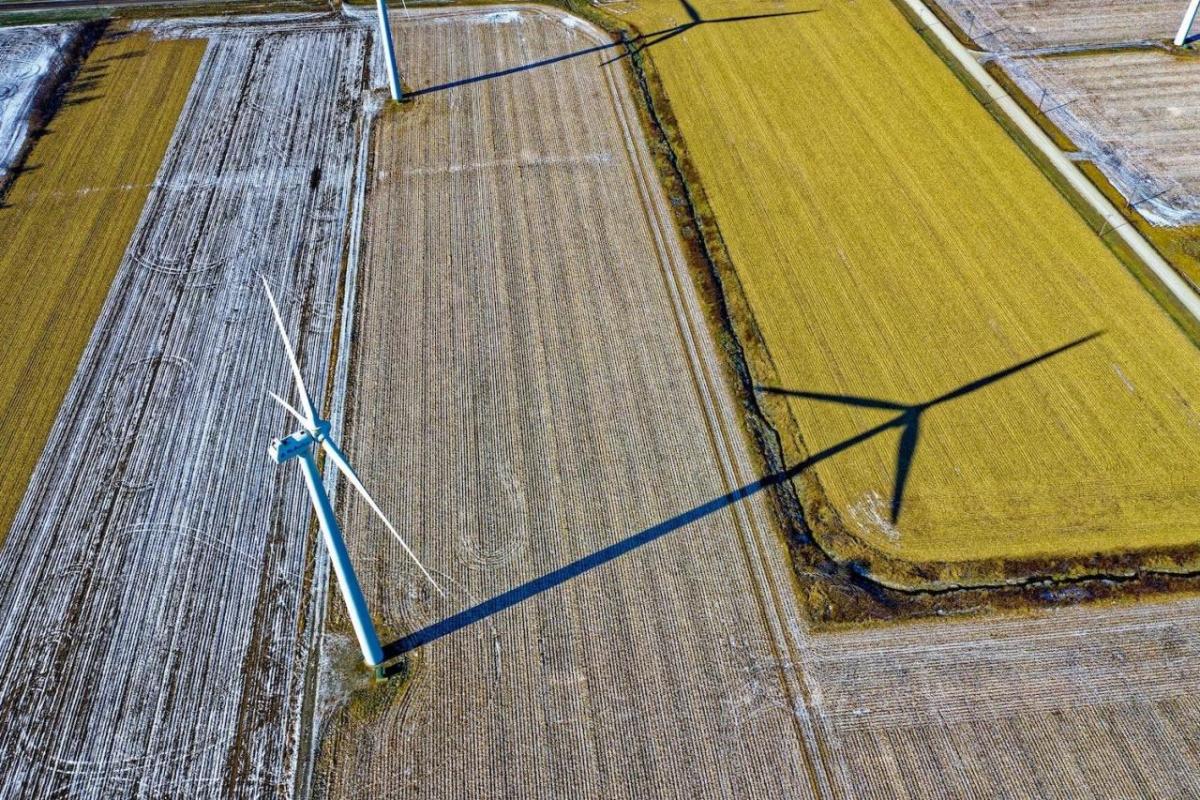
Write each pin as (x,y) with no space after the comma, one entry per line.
(1087,191)
(839,592)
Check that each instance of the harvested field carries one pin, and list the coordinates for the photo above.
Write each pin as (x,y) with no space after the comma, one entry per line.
(155,625)
(28,56)
(67,220)
(1134,115)
(1003,25)
(537,401)
(924,265)
(533,384)
(1094,702)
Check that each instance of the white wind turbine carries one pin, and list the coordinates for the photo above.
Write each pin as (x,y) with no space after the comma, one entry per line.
(300,445)
(1185,27)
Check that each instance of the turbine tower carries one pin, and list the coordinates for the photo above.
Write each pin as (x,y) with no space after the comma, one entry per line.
(389,51)
(1185,27)
(299,445)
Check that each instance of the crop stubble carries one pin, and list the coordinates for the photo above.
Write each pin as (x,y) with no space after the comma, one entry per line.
(66,223)
(1079,702)
(153,632)
(524,396)
(1133,113)
(1003,25)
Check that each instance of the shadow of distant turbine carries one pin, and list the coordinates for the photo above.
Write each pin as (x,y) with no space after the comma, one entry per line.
(909,417)
(632,45)
(648,40)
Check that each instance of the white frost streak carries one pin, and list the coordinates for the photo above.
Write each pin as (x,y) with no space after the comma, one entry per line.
(149,635)
(26,57)
(1114,108)
(873,512)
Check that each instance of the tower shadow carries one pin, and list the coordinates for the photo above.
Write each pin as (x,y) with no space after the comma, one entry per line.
(908,418)
(631,45)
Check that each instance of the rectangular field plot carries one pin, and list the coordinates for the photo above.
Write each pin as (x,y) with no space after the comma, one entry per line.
(155,621)
(65,223)
(1134,114)
(1093,701)
(1000,25)
(924,298)
(533,384)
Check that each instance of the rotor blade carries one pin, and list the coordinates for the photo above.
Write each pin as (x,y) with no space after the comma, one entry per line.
(339,459)
(905,453)
(308,426)
(287,346)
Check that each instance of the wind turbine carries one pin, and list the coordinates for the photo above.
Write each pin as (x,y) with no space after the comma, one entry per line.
(1185,27)
(389,50)
(299,445)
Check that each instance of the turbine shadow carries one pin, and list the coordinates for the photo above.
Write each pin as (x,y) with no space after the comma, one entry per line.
(908,418)
(632,45)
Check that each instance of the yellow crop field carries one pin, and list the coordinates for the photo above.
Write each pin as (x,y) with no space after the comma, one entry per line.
(981,389)
(66,222)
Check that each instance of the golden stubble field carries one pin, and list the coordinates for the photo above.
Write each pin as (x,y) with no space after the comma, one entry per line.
(893,244)
(66,223)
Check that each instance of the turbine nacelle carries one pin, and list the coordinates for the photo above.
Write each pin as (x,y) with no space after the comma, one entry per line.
(298,443)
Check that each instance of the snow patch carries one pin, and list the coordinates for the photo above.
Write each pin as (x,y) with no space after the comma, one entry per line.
(1124,379)
(874,512)
(27,55)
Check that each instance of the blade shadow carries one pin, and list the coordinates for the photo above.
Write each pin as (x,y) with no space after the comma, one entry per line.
(908,420)
(630,44)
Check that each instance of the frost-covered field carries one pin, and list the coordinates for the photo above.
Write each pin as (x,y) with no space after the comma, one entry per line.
(1001,25)
(27,56)
(156,614)
(1132,113)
